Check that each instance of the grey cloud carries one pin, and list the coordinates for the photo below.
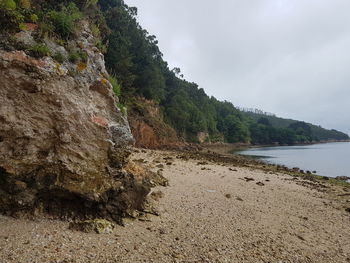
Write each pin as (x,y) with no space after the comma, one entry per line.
(290,57)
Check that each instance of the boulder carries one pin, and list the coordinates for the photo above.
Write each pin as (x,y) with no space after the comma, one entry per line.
(63,141)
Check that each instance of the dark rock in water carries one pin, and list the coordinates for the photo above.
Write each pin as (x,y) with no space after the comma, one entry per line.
(314,172)
(65,146)
(342,178)
(308,172)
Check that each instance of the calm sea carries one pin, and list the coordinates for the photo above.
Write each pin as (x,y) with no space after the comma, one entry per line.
(328,159)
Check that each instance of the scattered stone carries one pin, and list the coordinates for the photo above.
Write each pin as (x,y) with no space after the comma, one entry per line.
(99,226)
(342,178)
(156,195)
(234,170)
(260,183)
(141,160)
(300,237)
(160,166)
(228,196)
(162,231)
(247,179)
(169,163)
(347,209)
(202,163)
(210,191)
(144,217)
(239,199)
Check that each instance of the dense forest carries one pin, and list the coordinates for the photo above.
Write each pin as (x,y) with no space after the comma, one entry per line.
(304,131)
(137,69)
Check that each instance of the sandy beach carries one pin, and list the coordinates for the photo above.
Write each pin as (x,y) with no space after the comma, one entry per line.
(210,212)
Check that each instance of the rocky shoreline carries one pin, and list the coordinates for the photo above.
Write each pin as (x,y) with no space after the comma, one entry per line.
(216,208)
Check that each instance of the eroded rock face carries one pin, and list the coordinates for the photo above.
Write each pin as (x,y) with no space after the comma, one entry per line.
(149,128)
(63,142)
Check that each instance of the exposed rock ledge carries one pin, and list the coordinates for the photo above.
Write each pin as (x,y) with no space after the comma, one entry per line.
(63,142)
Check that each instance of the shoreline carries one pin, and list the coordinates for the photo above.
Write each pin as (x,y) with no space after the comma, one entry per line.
(245,146)
(216,209)
(230,150)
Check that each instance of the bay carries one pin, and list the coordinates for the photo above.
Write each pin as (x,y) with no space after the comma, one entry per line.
(327,159)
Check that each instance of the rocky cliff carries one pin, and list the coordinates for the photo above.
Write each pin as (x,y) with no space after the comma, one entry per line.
(64,145)
(148,127)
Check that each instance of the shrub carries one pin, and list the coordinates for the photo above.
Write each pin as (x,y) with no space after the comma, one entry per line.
(25,4)
(59,57)
(73,56)
(34,18)
(45,29)
(95,30)
(64,20)
(83,56)
(40,50)
(22,26)
(115,85)
(90,3)
(10,17)
(76,56)
(122,108)
(8,4)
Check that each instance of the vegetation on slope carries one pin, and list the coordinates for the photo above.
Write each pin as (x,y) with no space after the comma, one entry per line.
(134,59)
(264,126)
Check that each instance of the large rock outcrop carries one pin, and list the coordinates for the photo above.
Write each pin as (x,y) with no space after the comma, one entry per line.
(63,142)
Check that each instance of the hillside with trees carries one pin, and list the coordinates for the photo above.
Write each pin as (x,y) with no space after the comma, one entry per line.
(303,132)
(138,70)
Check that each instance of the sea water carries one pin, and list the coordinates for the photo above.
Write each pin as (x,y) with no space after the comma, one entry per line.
(327,159)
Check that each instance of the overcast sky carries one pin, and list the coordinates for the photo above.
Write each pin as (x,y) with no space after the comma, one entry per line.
(288,57)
